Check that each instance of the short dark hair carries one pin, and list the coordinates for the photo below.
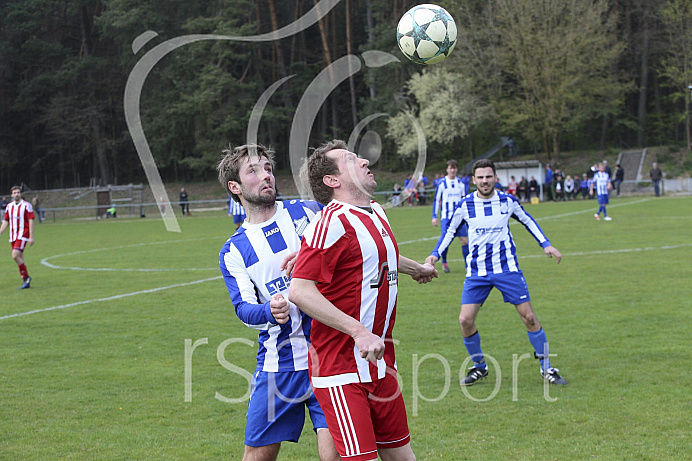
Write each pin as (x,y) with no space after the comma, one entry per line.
(229,166)
(319,165)
(483,163)
(15,187)
(453,164)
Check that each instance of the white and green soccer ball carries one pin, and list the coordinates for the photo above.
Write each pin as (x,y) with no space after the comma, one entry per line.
(426,34)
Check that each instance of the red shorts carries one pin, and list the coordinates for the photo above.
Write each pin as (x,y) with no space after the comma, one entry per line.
(19,244)
(363,417)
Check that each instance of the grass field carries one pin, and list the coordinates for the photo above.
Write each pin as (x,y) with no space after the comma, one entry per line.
(93,365)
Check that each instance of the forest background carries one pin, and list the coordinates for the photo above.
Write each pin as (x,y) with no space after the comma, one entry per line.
(555,75)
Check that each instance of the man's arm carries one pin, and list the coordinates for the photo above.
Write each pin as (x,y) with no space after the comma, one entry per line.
(3,226)
(447,239)
(31,232)
(304,294)
(421,273)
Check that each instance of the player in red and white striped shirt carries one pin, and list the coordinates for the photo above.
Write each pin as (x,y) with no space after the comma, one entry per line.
(346,279)
(19,217)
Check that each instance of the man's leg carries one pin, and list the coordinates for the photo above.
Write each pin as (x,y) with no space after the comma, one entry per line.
(404,453)
(265,453)
(18,257)
(325,446)
(472,343)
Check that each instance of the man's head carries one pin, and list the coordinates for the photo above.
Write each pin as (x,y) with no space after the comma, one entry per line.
(452,168)
(601,166)
(335,172)
(16,193)
(484,177)
(655,164)
(248,170)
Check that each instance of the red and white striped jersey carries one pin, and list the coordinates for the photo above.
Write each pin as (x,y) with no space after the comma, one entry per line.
(352,255)
(18,215)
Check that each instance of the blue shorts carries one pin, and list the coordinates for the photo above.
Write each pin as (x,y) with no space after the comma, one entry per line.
(463,231)
(603,199)
(276,410)
(512,285)
(238,218)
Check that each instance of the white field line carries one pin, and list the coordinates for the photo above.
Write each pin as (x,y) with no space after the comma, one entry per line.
(110,298)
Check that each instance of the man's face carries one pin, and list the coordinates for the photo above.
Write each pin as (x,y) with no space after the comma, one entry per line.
(484,179)
(257,183)
(601,167)
(452,171)
(354,174)
(16,195)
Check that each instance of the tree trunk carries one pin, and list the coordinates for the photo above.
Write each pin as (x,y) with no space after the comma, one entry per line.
(349,50)
(643,84)
(371,41)
(604,132)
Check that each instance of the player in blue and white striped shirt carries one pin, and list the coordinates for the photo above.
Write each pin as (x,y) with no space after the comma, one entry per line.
(448,194)
(256,263)
(492,262)
(601,182)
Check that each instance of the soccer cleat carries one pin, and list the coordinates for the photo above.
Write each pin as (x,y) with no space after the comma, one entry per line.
(608,218)
(474,374)
(26,284)
(445,267)
(596,216)
(552,377)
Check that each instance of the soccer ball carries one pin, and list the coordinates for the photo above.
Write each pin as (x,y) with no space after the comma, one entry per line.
(426,34)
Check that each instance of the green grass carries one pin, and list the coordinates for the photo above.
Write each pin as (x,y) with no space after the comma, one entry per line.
(106,379)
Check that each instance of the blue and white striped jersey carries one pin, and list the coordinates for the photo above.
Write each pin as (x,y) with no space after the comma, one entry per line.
(235,208)
(491,246)
(600,182)
(447,197)
(249,262)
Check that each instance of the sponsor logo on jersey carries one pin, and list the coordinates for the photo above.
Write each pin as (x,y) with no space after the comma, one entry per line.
(384,274)
(300,225)
(278,285)
(271,232)
(384,233)
(488,230)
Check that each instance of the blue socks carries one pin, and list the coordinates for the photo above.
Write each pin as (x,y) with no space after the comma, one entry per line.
(465,251)
(539,341)
(473,347)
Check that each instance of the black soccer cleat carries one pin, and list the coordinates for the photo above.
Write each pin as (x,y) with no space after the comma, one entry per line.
(474,374)
(553,377)
(26,284)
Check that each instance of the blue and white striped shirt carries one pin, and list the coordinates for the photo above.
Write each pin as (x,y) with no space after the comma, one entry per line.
(447,197)
(491,246)
(600,182)
(249,262)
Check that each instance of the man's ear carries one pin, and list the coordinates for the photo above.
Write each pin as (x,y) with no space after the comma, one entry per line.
(234,187)
(331,181)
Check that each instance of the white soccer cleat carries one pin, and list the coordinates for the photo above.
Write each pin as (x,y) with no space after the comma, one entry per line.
(608,218)
(596,216)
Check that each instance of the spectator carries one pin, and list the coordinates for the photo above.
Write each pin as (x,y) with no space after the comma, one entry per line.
(3,204)
(112,212)
(559,187)
(608,171)
(396,195)
(548,183)
(619,177)
(655,174)
(512,186)
(184,204)
(584,186)
(410,190)
(533,189)
(422,195)
(40,212)
(523,189)
(569,187)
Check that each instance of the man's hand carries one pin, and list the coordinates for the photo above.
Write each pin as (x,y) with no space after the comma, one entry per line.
(288,263)
(426,273)
(279,309)
(30,241)
(551,251)
(434,222)
(431,260)
(371,347)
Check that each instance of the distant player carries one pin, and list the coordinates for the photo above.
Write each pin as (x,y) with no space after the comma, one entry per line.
(601,182)
(448,196)
(236,210)
(19,217)
(256,264)
(493,263)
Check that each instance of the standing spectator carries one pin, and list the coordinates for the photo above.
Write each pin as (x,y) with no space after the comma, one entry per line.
(184,204)
(619,177)
(3,205)
(608,171)
(19,217)
(494,263)
(396,195)
(447,198)
(584,186)
(523,189)
(655,174)
(601,182)
(569,187)
(256,264)
(512,186)
(410,190)
(548,183)
(346,279)
(533,188)
(38,211)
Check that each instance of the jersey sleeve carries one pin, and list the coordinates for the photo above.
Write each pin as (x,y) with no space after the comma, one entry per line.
(437,199)
(243,292)
(446,239)
(531,225)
